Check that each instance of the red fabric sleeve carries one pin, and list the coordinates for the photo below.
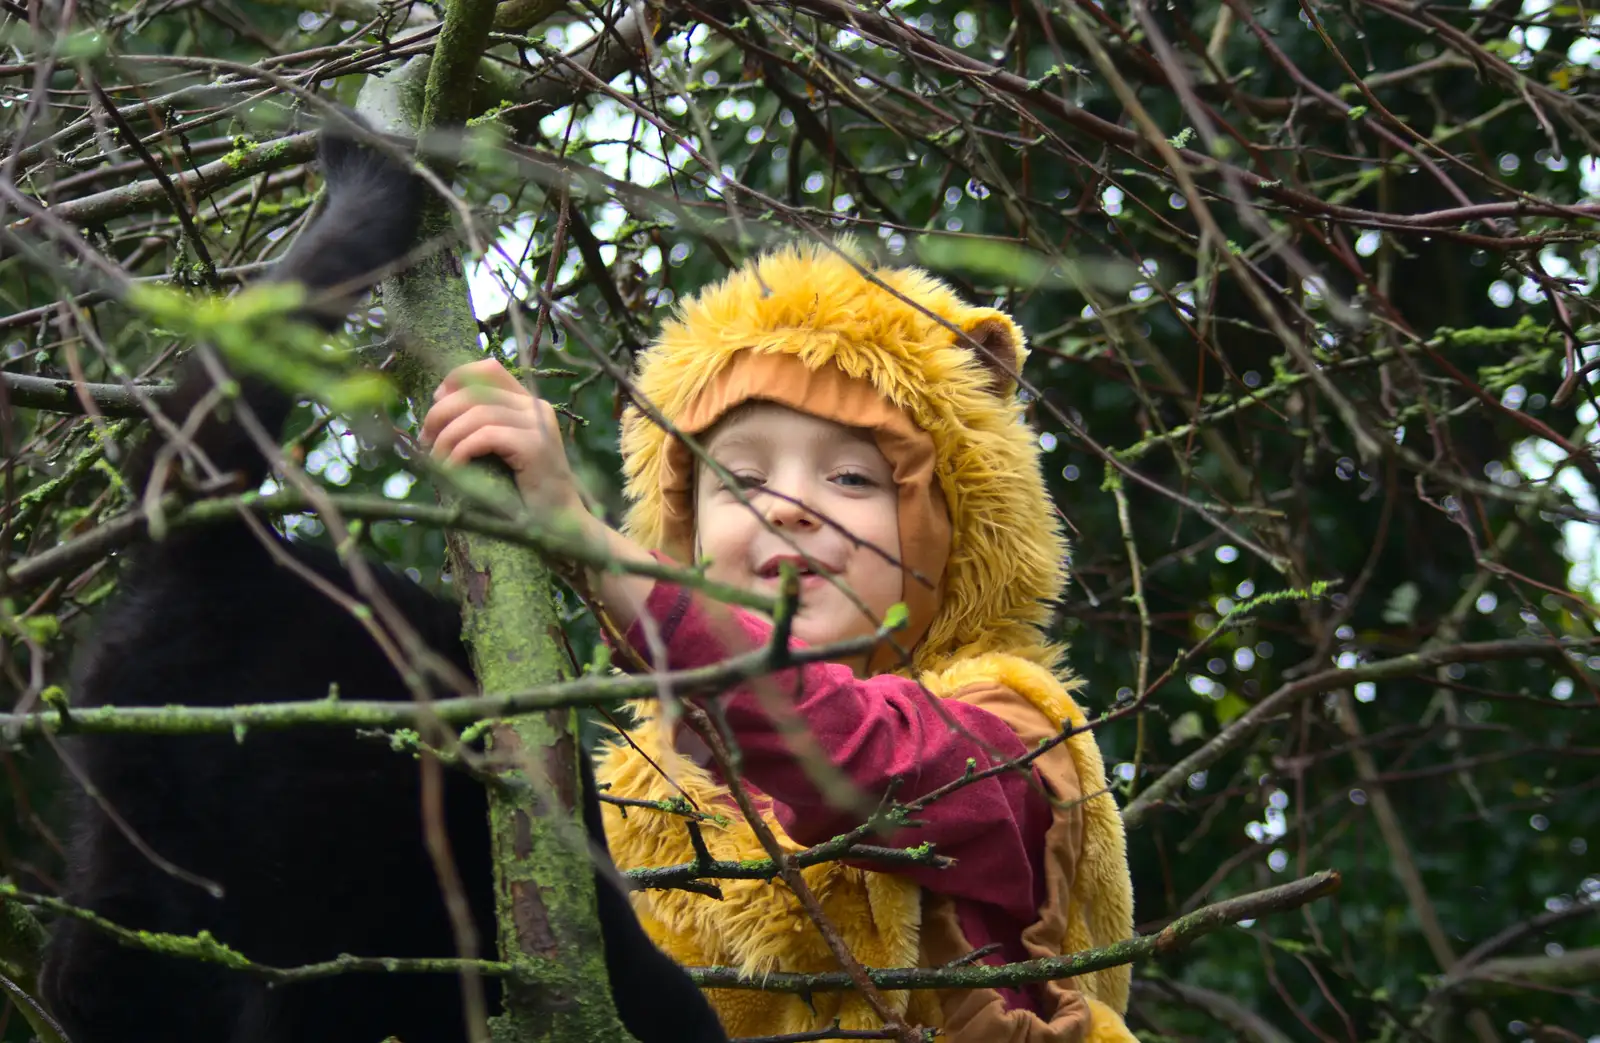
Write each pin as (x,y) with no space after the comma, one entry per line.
(874,730)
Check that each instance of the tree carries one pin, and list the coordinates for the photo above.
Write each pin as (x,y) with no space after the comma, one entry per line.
(1310,296)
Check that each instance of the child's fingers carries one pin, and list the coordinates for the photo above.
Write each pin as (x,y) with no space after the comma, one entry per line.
(450,408)
(508,443)
(524,422)
(486,373)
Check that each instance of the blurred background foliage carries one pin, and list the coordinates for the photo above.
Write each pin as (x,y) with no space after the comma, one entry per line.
(1348,341)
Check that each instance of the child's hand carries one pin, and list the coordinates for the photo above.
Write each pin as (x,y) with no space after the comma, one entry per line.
(479,410)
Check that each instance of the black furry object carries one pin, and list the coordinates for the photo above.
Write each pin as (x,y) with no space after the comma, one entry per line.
(315,835)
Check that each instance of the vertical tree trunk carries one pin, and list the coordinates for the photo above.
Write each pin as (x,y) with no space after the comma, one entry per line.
(544,884)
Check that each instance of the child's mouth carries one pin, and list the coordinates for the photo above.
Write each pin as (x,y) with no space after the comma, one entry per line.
(809,582)
(809,576)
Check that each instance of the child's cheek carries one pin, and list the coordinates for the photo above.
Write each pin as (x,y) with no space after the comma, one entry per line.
(716,540)
(721,568)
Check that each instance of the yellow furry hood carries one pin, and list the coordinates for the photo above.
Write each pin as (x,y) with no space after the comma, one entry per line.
(892,330)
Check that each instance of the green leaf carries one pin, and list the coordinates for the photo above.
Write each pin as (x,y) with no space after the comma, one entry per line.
(41,628)
(1401,608)
(55,697)
(1229,708)
(1016,265)
(365,389)
(89,43)
(1186,728)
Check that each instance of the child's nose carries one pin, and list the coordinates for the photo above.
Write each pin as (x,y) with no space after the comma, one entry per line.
(786,507)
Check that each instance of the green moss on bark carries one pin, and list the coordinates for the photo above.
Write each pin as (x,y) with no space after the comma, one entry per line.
(544,884)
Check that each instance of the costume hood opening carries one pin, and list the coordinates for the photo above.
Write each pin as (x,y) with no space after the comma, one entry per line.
(981,545)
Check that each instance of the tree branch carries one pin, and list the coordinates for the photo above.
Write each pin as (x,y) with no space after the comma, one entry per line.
(1176,935)
(208,177)
(64,395)
(523,531)
(1219,1006)
(588,690)
(1287,695)
(1574,969)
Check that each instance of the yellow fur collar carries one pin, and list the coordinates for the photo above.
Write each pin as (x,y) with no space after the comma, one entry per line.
(759,927)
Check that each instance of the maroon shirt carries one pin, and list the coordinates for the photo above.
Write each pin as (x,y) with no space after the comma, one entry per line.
(876,729)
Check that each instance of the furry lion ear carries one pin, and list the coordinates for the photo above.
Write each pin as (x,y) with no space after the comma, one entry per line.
(999,348)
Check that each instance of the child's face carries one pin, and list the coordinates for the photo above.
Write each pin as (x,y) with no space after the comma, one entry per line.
(783,459)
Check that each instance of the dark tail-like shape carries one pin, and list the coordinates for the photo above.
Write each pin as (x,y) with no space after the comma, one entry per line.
(369,221)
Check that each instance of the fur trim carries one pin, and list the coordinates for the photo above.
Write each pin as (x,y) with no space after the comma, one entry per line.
(758,926)
(1106,1025)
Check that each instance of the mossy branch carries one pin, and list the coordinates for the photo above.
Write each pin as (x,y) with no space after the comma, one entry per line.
(196,183)
(205,948)
(543,883)
(22,942)
(590,690)
(525,532)
(1176,935)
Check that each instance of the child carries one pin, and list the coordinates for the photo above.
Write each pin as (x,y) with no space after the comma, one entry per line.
(865,435)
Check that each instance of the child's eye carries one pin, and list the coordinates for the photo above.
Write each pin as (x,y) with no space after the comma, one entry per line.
(855,480)
(745,481)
